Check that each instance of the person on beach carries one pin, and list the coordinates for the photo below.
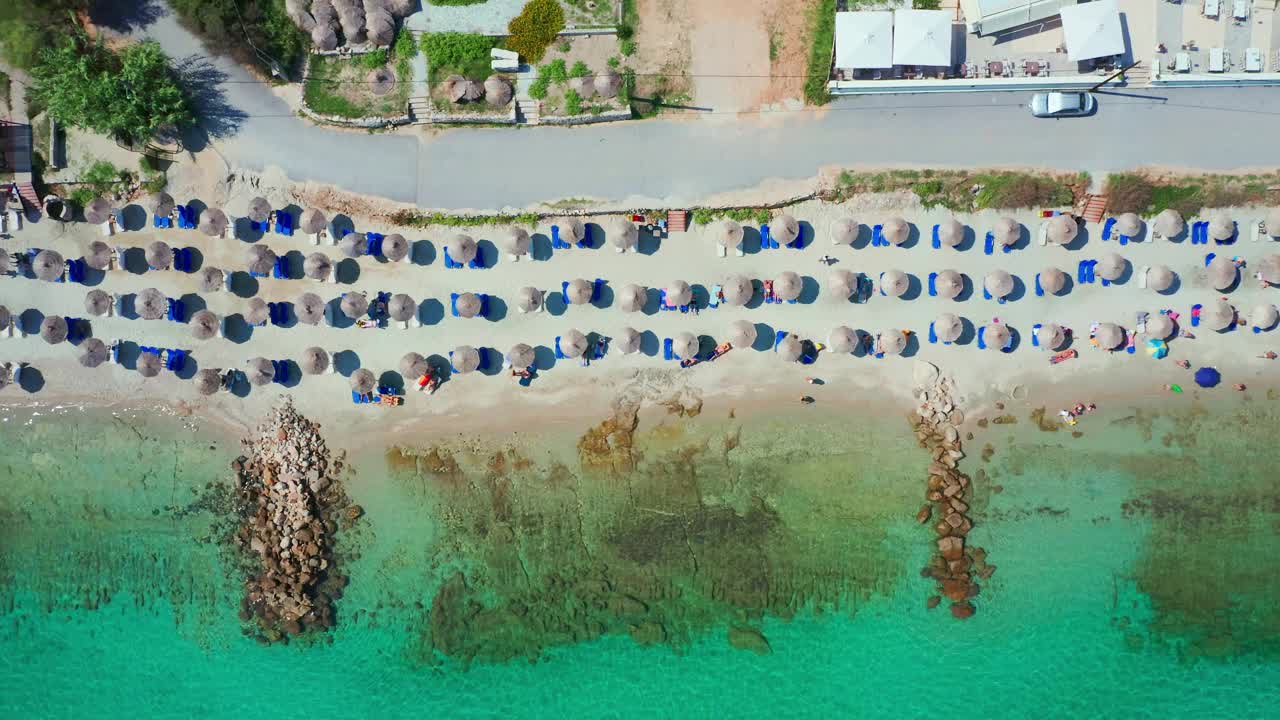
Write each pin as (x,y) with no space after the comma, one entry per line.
(1174,388)
(1268,355)
(1184,364)
(1239,386)
(806,400)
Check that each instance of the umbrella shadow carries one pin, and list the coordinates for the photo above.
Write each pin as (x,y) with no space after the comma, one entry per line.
(292,374)
(293,261)
(595,236)
(757,295)
(863,338)
(604,299)
(440,367)
(132,218)
(242,284)
(750,244)
(913,346)
(553,301)
(862,239)
(290,315)
(430,311)
(968,239)
(192,303)
(243,230)
(197,208)
(337,318)
(32,380)
(347,271)
(422,252)
(129,352)
(92,277)
(968,332)
(652,299)
(914,288)
(544,358)
(78,330)
(1127,273)
(240,386)
(497,309)
(29,321)
(197,259)
(135,261)
(649,343)
(1080,240)
(1019,290)
(913,237)
(392,379)
(540,247)
(764,338)
(809,290)
(490,361)
(1015,340)
(699,296)
(345,362)
(236,329)
(340,225)
(648,243)
(1174,286)
(486,254)
(966,288)
(188,369)
(808,236)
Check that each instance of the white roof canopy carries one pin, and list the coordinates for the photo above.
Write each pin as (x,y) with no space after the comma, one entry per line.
(1092,30)
(864,39)
(922,37)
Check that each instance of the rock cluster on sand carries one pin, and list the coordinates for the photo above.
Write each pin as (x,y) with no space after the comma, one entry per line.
(291,502)
(955,564)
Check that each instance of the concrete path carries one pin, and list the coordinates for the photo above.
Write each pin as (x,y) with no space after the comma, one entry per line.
(679,161)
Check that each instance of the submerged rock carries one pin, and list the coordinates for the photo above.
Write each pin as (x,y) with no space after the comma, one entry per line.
(745,637)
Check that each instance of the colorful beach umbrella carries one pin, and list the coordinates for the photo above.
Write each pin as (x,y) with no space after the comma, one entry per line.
(1208,377)
(1157,349)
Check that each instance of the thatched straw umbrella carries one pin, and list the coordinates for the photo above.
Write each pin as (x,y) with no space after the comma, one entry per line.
(159,255)
(573,343)
(1129,224)
(632,298)
(1062,230)
(528,299)
(98,255)
(257,312)
(679,293)
(309,307)
(1273,222)
(997,336)
(607,84)
(1052,280)
(1222,227)
(844,231)
(685,345)
(414,366)
(842,339)
(212,279)
(1112,266)
(892,341)
(894,283)
(521,356)
(1160,327)
(1263,316)
(948,327)
(6,318)
(1051,336)
(628,341)
(465,359)
(204,324)
(97,302)
(312,220)
(497,91)
(362,381)
(461,248)
(1007,232)
(571,230)
(354,305)
(742,333)
(998,283)
(579,292)
(207,381)
(1218,315)
(159,203)
(314,361)
(785,229)
(727,233)
(395,247)
(896,230)
(789,348)
(148,365)
(455,88)
(48,265)
(213,222)
(259,210)
(948,284)
(97,211)
(317,266)
(380,81)
(1169,223)
(353,244)
(1270,269)
(583,86)
(514,240)
(469,305)
(260,258)
(1222,272)
(93,352)
(402,307)
(1160,278)
(737,290)
(625,234)
(787,285)
(151,304)
(950,232)
(1109,336)
(841,284)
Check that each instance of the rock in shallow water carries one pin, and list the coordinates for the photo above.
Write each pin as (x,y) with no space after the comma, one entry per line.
(745,637)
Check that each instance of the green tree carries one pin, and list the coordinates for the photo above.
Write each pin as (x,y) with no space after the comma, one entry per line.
(26,26)
(130,94)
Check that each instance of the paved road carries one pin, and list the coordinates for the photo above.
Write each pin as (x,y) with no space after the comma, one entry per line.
(680,160)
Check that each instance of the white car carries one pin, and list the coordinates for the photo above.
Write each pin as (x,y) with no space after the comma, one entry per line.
(1062,104)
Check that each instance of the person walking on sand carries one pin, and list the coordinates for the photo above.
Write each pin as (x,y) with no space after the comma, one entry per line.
(1268,355)
(1239,386)
(806,400)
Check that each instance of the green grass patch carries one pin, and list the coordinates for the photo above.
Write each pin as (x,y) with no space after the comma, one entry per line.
(822,40)
(372,60)
(4,90)
(100,178)
(572,103)
(1146,195)
(757,216)
(579,69)
(319,90)
(961,191)
(405,46)
(411,218)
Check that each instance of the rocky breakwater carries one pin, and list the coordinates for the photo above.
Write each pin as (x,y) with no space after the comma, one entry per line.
(291,505)
(956,564)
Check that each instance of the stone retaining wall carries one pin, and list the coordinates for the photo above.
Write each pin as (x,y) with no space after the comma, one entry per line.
(611,116)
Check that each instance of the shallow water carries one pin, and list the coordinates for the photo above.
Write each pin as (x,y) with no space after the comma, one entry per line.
(1136,575)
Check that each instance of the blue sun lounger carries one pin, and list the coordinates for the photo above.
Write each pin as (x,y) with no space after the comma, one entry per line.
(556,242)
(1106,228)
(277,312)
(933,284)
(177,312)
(937,243)
(1209,258)
(280,270)
(877,236)
(360,398)
(449,262)
(280,371)
(453,304)
(174,359)
(182,259)
(585,242)
(777,338)
(558,351)
(766,239)
(989,243)
(162,222)
(76,270)
(1200,233)
(982,340)
(1035,340)
(477,262)
(668,353)
(284,223)
(373,243)
(186,218)
(933,335)
(662,301)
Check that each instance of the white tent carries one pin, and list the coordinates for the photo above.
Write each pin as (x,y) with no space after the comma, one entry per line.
(922,37)
(1092,30)
(864,39)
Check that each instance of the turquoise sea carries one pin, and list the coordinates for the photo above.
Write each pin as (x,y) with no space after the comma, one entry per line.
(1136,575)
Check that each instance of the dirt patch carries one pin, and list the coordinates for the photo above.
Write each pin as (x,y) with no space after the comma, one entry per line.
(730,61)
(662,54)
(789,31)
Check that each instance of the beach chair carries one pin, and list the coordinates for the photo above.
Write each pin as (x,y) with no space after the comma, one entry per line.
(1035,340)
(982,340)
(186,218)
(556,242)
(76,270)
(453,304)
(713,299)
(777,339)
(280,270)
(1124,239)
(183,259)
(174,359)
(108,227)
(162,223)
(933,284)
(373,243)
(284,223)
(1107,227)
(1195,314)
(114,349)
(277,313)
(1142,276)
(359,398)
(558,351)
(596,288)
(448,261)
(877,236)
(662,301)
(1043,236)
(176,312)
(1039,290)
(933,336)
(720,251)
(1082,271)
(1209,258)
(985,295)
(766,238)
(937,243)
(279,371)
(118,257)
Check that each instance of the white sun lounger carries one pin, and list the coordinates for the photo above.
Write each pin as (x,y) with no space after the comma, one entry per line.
(107,228)
(315,238)
(15,218)
(739,251)
(330,369)
(721,251)
(1044,234)
(1259,228)
(1142,276)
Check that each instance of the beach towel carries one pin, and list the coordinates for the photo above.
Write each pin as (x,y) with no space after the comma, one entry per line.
(1195,315)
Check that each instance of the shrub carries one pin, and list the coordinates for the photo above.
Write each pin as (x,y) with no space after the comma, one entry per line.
(405,47)
(249,29)
(1129,192)
(373,60)
(554,71)
(1020,190)
(823,38)
(614,62)
(100,178)
(538,88)
(927,189)
(455,49)
(535,28)
(572,102)
(579,69)
(627,47)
